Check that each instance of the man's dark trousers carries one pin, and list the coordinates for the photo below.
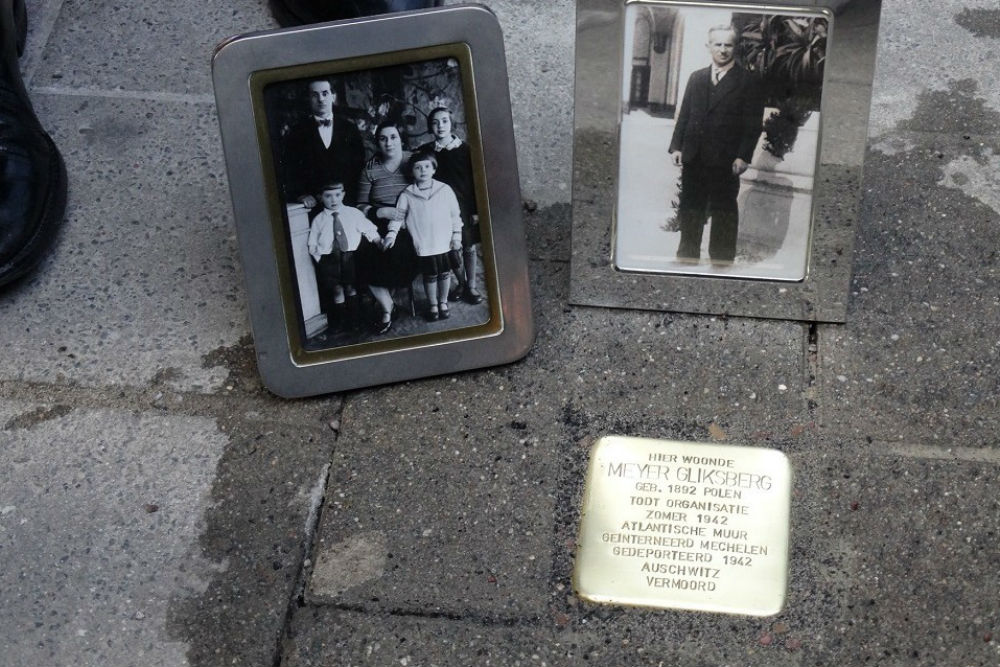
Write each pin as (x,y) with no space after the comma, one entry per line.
(708,192)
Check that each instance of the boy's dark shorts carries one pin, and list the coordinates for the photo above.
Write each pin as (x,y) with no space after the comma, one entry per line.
(336,268)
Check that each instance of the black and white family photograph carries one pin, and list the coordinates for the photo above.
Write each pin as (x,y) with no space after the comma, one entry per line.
(376,178)
(719,138)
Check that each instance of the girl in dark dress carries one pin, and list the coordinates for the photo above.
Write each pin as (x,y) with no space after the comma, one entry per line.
(394,264)
(455,169)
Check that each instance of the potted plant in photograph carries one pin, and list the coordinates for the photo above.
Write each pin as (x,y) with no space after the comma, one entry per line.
(787,53)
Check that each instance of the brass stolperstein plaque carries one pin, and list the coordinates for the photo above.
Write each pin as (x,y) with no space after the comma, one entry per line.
(685,526)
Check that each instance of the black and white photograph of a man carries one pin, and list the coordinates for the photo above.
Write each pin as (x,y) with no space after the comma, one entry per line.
(376,179)
(719,138)
(319,148)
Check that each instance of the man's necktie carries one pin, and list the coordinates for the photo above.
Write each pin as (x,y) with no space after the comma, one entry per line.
(339,234)
(716,75)
(324,122)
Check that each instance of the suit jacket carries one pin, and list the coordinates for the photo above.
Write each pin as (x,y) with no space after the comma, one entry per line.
(308,165)
(713,128)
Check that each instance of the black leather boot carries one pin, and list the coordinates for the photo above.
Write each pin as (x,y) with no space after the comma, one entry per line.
(299,12)
(32,175)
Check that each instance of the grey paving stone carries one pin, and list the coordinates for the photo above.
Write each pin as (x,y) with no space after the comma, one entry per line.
(539,39)
(886,568)
(666,374)
(147,538)
(960,108)
(922,538)
(142,46)
(669,374)
(928,45)
(330,637)
(42,16)
(265,492)
(547,232)
(917,360)
(439,499)
(100,510)
(439,491)
(144,281)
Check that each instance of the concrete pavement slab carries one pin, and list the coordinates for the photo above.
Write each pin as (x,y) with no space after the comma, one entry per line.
(917,360)
(547,232)
(539,39)
(324,637)
(885,562)
(141,50)
(261,518)
(439,499)
(440,490)
(42,15)
(144,282)
(100,509)
(243,397)
(921,540)
(669,374)
(917,342)
(145,538)
(926,45)
(104,47)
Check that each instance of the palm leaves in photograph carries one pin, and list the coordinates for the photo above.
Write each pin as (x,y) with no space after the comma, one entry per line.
(788,54)
(786,50)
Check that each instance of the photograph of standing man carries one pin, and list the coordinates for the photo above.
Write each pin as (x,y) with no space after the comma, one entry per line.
(715,133)
(319,149)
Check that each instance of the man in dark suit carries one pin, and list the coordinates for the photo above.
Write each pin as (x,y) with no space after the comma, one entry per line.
(321,148)
(716,131)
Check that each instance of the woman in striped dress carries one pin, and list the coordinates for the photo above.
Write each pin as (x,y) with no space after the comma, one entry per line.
(393,265)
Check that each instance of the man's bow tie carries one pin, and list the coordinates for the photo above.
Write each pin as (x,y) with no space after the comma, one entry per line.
(324,122)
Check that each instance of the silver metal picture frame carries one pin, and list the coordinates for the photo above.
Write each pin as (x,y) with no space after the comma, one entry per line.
(376,198)
(718,149)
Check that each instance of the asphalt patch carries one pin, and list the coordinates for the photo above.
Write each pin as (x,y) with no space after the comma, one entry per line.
(239,360)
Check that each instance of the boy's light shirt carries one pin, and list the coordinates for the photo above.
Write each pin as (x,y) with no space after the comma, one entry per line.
(322,237)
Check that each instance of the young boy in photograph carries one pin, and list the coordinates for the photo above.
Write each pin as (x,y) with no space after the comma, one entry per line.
(432,217)
(334,235)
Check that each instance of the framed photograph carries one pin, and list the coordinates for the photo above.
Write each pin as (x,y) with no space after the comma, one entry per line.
(737,133)
(376,198)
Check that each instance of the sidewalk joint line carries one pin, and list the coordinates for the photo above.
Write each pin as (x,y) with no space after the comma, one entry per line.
(472,617)
(122,94)
(812,369)
(317,498)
